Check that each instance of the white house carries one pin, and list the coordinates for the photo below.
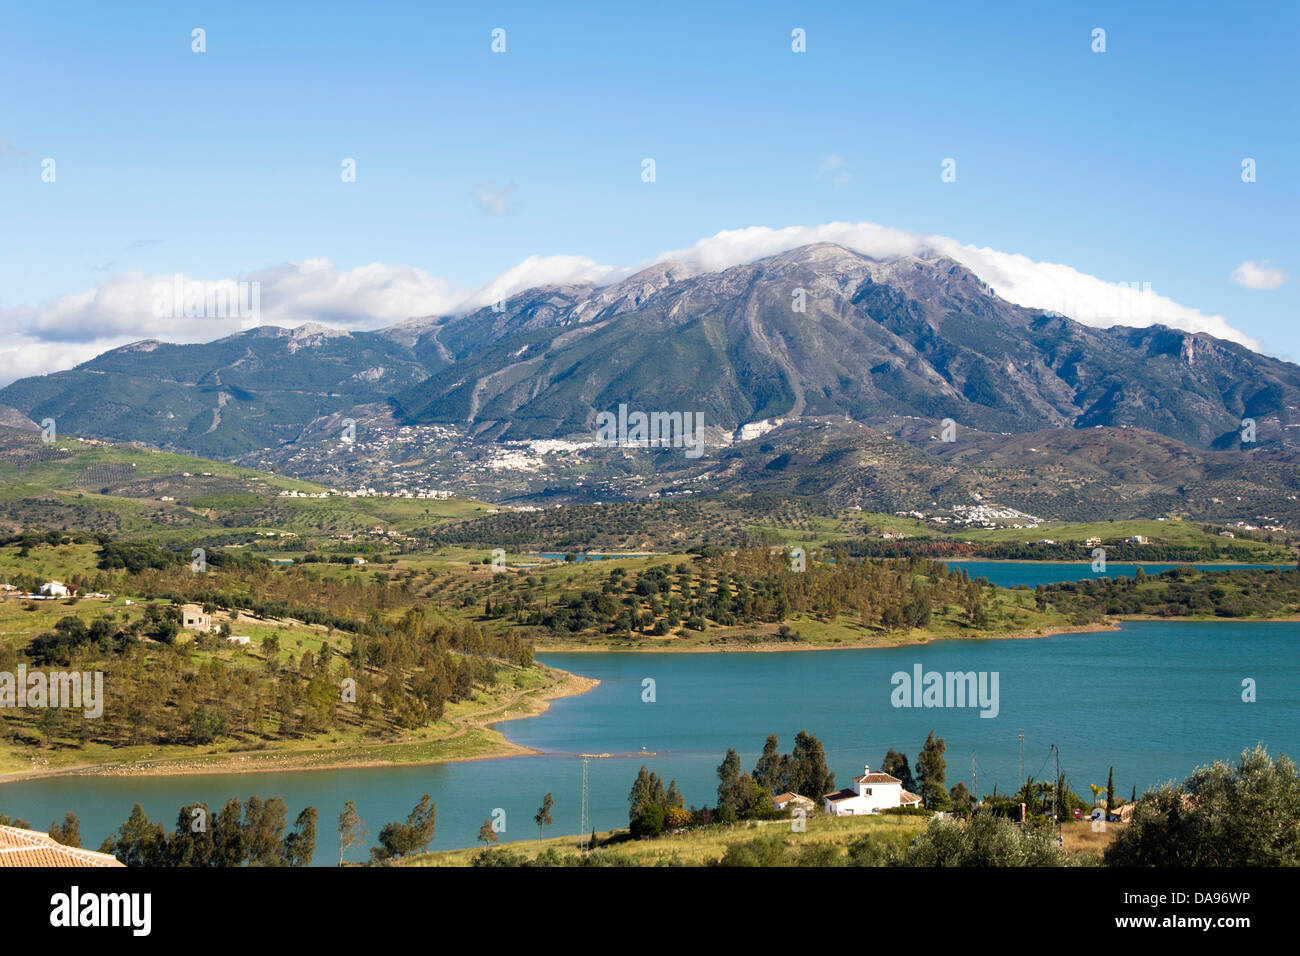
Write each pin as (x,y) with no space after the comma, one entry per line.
(193,618)
(54,589)
(241,639)
(870,793)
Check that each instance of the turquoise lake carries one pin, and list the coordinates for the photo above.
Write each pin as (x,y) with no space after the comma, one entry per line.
(1008,574)
(1154,700)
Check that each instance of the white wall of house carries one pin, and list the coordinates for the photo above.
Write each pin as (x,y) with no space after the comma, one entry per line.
(870,796)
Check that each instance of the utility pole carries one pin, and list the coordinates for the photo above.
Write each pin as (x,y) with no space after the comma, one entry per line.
(1022,756)
(974,778)
(1056,792)
(585,826)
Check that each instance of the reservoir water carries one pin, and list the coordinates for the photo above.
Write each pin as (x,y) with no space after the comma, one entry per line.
(1009,574)
(1154,700)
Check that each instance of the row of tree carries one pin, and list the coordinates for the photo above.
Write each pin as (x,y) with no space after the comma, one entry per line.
(255,834)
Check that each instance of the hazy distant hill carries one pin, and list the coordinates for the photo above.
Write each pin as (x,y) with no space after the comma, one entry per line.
(252,390)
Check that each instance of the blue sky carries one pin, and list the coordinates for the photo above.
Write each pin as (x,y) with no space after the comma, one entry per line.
(1124,165)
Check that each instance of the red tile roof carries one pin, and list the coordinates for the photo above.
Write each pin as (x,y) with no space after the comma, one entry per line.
(31,848)
(876,777)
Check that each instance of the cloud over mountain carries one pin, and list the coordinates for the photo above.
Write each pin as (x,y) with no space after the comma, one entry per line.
(58,334)
(1016,278)
(75,327)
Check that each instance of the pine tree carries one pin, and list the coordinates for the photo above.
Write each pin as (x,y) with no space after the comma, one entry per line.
(68,833)
(139,842)
(810,775)
(730,793)
(960,798)
(487,833)
(932,770)
(658,795)
(641,795)
(895,764)
(768,770)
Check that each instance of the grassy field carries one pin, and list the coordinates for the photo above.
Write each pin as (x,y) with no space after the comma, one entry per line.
(704,846)
(1080,837)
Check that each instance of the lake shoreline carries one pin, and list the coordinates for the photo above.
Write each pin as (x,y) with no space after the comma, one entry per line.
(1243,565)
(1114,623)
(534,703)
(784,646)
(525,704)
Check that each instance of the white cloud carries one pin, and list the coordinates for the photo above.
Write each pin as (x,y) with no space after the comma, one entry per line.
(543,270)
(76,327)
(493,199)
(58,335)
(834,164)
(831,162)
(22,355)
(365,297)
(1255,275)
(1016,278)
(290,293)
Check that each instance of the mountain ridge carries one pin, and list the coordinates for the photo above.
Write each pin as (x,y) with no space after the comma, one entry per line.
(819,330)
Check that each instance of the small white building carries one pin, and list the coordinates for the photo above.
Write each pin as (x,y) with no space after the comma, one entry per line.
(239,639)
(870,793)
(54,589)
(193,618)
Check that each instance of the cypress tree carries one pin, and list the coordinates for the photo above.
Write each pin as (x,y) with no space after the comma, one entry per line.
(932,770)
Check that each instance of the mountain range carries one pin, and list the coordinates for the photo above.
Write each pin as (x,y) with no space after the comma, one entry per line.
(819,333)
